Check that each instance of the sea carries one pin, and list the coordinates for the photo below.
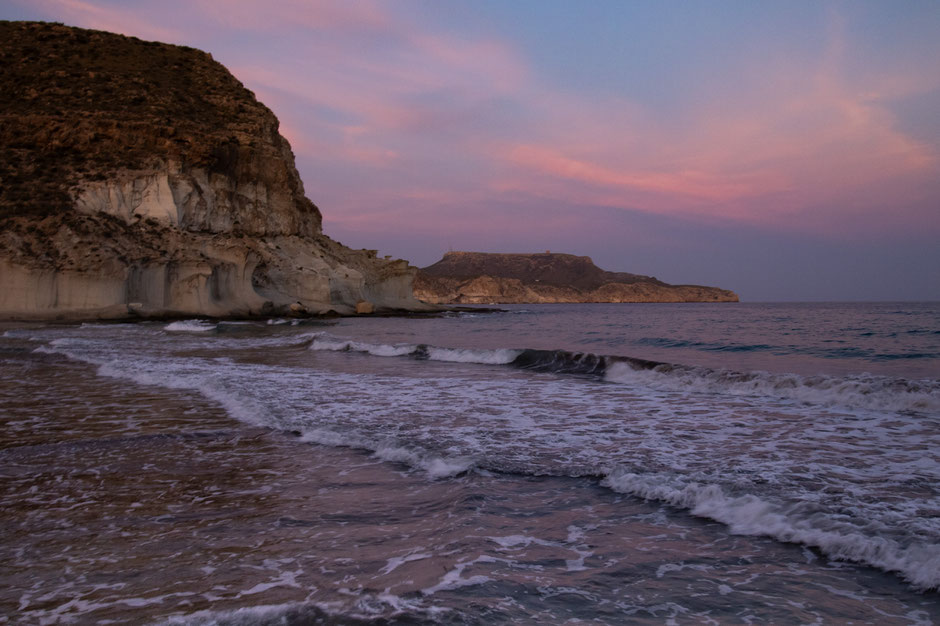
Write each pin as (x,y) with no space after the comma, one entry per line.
(541,464)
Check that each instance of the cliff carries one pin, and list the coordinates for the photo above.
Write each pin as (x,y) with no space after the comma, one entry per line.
(143,179)
(483,278)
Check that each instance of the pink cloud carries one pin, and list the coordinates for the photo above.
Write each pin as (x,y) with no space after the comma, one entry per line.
(695,184)
(414,115)
(362,16)
(96,16)
(765,152)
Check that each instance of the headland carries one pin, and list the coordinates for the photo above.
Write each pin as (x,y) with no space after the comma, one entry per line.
(484,278)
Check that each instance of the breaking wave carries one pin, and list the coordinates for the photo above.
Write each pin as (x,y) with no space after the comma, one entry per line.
(325,342)
(863,391)
(747,514)
(190,326)
(250,410)
(419,351)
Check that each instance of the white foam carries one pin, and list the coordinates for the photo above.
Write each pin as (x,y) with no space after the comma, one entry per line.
(513,541)
(190,326)
(664,569)
(466,355)
(23,333)
(167,374)
(335,344)
(445,468)
(750,515)
(454,579)
(239,407)
(397,561)
(866,391)
(285,579)
(436,467)
(325,341)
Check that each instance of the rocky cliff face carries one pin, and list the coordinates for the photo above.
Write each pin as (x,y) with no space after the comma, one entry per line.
(142,179)
(482,278)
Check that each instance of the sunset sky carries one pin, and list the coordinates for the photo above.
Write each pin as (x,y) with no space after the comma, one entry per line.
(786,150)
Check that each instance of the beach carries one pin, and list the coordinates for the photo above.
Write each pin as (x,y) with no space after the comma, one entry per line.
(550,463)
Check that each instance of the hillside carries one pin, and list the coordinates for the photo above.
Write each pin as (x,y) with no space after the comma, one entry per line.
(142,178)
(478,277)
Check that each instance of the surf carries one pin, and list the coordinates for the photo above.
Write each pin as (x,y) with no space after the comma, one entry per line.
(854,391)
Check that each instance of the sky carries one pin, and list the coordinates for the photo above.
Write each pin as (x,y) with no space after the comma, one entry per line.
(789,151)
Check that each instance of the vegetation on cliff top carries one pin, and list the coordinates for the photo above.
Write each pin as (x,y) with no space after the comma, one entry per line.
(562,270)
(79,105)
(474,277)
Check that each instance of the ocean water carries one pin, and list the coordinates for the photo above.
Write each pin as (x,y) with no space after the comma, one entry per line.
(769,463)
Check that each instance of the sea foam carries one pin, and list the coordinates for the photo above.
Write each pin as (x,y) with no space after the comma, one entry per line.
(749,514)
(865,391)
(190,326)
(324,341)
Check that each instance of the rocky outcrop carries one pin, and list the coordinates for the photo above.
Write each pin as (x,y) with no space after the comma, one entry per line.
(142,179)
(483,278)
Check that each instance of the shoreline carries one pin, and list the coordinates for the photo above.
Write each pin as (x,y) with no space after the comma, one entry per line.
(68,319)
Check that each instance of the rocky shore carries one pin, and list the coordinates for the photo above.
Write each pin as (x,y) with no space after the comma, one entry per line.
(141,179)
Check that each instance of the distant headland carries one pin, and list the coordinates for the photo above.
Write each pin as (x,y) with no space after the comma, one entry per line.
(483,278)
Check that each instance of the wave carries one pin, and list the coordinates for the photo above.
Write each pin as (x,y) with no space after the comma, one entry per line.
(861,391)
(419,351)
(239,408)
(190,326)
(248,410)
(748,514)
(557,361)
(467,355)
(298,321)
(584,363)
(197,325)
(323,341)
(434,466)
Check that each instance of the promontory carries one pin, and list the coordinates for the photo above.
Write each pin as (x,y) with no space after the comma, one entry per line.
(143,179)
(479,277)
